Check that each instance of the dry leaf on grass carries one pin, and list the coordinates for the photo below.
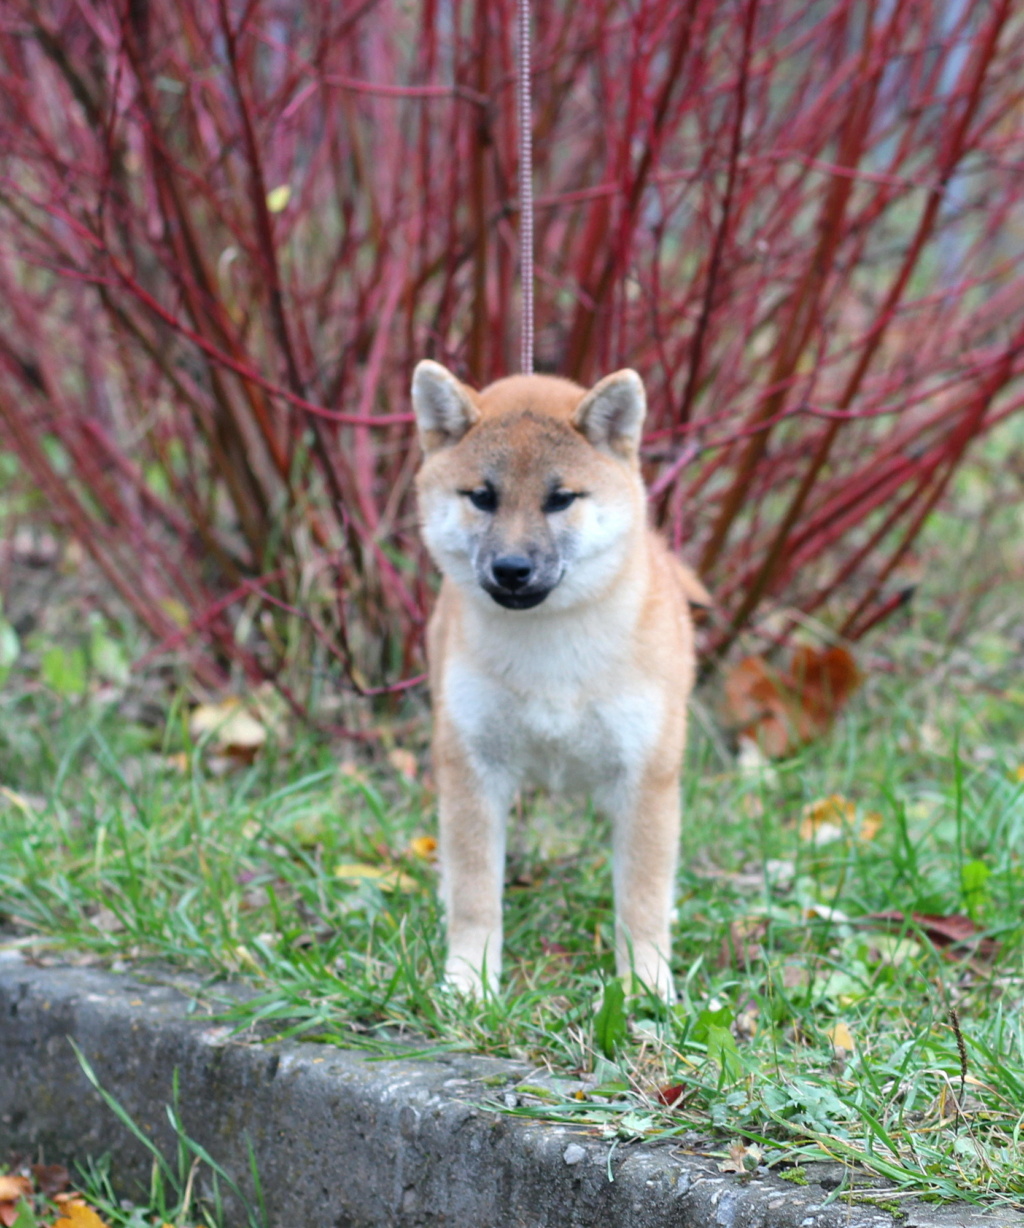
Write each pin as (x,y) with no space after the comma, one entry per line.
(833,817)
(12,1190)
(78,1214)
(237,729)
(953,933)
(671,1095)
(423,847)
(783,709)
(387,878)
(743,1158)
(839,1035)
(232,729)
(50,1179)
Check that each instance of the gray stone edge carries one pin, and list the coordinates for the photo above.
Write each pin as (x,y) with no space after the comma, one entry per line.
(346,1141)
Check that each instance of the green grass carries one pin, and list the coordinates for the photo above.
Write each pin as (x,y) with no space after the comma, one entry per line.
(110,848)
(124,845)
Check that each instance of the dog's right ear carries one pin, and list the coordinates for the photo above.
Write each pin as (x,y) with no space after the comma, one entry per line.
(443,407)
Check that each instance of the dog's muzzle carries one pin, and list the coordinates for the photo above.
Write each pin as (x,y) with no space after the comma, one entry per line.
(515,584)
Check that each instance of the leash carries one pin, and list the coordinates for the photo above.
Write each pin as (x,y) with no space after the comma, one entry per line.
(525,189)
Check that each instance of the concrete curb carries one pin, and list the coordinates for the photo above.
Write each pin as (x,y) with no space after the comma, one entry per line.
(347,1142)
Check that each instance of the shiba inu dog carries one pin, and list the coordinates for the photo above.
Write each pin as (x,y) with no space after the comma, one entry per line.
(560,649)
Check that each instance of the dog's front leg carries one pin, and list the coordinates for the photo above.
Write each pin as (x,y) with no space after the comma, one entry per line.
(473,807)
(646,843)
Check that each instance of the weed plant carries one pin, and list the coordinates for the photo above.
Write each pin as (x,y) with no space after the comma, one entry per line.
(187,1188)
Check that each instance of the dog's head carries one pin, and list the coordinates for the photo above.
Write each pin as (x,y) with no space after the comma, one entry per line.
(529,491)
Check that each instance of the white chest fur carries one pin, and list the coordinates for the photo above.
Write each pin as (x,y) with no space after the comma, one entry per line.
(555,702)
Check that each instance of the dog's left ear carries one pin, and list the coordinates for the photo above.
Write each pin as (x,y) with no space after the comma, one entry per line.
(612,414)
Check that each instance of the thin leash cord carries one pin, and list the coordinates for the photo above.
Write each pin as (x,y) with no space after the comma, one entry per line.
(525,189)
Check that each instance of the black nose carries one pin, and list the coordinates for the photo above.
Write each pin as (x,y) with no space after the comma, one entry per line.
(512,571)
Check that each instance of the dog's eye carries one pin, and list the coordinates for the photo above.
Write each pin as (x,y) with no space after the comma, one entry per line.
(484,498)
(559,500)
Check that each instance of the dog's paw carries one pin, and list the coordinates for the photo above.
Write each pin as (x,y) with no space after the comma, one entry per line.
(651,976)
(464,979)
(661,988)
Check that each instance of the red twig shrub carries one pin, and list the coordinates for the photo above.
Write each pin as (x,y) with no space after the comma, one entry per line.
(229,230)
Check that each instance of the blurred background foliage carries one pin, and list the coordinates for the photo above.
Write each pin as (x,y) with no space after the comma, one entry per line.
(228,231)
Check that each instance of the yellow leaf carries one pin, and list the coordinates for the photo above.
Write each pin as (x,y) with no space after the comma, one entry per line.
(278,198)
(1019,774)
(424,847)
(386,878)
(78,1215)
(839,1035)
(830,818)
(823,820)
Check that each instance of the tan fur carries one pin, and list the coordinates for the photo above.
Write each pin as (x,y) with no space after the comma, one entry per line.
(584,691)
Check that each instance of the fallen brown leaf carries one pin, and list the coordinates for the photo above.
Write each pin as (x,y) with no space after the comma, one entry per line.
(783,709)
(954,930)
(671,1095)
(743,1158)
(50,1179)
(12,1190)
